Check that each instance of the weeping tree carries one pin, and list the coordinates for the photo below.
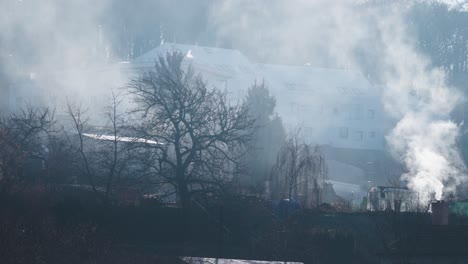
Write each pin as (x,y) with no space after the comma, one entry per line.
(199,133)
(299,172)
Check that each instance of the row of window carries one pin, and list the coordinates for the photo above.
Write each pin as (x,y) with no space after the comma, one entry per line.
(356,135)
(350,111)
(350,90)
(354,112)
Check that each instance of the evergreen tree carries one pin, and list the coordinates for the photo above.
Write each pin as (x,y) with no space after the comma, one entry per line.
(268,137)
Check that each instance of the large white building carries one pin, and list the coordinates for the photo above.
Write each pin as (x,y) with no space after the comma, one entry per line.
(334,107)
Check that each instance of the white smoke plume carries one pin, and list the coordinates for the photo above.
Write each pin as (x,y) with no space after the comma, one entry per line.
(62,47)
(332,33)
(425,138)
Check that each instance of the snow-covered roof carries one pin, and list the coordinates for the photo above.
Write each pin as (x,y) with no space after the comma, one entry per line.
(347,190)
(121,139)
(392,188)
(231,62)
(313,79)
(222,61)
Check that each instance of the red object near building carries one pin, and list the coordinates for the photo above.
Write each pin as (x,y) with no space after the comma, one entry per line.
(129,196)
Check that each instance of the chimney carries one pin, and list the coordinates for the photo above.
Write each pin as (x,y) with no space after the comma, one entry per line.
(440,212)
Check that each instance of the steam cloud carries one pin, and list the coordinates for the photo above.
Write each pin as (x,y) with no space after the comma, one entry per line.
(61,46)
(425,137)
(341,34)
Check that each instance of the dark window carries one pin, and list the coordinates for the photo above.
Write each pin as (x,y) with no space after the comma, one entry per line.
(354,112)
(291,86)
(343,132)
(358,135)
(335,110)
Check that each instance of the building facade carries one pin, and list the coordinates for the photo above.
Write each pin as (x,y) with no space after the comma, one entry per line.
(335,107)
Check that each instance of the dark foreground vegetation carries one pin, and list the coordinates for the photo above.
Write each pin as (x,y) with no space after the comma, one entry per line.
(53,227)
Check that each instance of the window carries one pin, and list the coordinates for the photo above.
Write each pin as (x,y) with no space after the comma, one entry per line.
(343,132)
(372,134)
(308,134)
(302,108)
(335,111)
(291,86)
(225,68)
(370,114)
(308,131)
(223,84)
(356,91)
(320,109)
(342,89)
(358,135)
(20,101)
(245,69)
(354,111)
(294,107)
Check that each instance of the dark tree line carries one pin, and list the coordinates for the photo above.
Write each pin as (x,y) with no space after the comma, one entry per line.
(442,34)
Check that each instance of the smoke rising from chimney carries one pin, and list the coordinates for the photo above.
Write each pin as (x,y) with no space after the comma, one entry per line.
(339,34)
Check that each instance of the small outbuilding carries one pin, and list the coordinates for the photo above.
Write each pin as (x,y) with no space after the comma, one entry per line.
(383,198)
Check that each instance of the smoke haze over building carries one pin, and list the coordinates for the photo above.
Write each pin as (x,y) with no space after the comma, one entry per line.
(65,49)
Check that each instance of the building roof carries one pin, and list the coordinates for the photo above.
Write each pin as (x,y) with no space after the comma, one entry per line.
(121,139)
(318,80)
(391,188)
(222,61)
(347,190)
(231,62)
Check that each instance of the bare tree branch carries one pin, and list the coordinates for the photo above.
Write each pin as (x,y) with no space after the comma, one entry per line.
(199,130)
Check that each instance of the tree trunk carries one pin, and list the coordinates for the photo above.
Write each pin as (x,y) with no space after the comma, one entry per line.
(183,198)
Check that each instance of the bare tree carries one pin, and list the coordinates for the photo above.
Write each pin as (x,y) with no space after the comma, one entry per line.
(77,140)
(116,153)
(103,155)
(110,152)
(22,136)
(300,170)
(199,133)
